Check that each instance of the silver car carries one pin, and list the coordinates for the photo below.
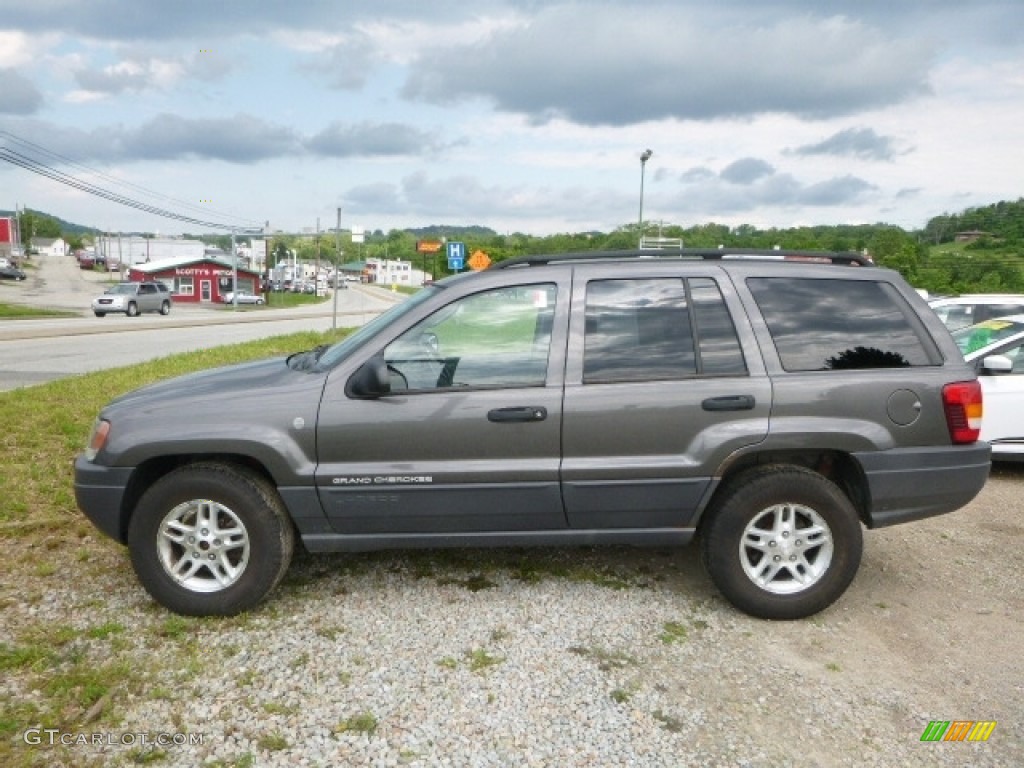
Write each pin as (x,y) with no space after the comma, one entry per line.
(242,297)
(133,299)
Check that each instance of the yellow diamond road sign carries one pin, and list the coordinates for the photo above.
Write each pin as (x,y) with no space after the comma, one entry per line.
(479,260)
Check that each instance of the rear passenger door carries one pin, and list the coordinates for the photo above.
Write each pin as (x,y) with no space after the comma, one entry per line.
(661,390)
(149,297)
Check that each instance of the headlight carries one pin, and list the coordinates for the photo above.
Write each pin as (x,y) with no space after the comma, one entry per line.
(97,439)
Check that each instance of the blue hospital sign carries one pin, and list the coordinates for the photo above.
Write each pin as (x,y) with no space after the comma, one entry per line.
(456,255)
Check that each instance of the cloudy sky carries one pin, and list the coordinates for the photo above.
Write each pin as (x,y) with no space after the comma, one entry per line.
(520,115)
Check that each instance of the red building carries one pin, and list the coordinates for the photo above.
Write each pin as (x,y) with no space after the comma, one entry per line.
(197,280)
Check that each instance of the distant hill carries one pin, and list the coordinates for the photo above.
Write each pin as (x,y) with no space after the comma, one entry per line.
(440,230)
(1003,220)
(66,227)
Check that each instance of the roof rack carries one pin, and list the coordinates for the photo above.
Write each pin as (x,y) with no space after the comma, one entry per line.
(706,254)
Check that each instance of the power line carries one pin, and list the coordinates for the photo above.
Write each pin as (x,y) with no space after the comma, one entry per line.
(43,169)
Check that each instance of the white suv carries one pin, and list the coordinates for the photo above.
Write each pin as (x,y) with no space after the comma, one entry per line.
(960,311)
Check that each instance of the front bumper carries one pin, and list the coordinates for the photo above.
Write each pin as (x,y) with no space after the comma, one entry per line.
(99,492)
(908,484)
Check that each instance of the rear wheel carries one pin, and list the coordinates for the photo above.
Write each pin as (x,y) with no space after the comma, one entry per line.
(165,308)
(133,309)
(210,539)
(782,542)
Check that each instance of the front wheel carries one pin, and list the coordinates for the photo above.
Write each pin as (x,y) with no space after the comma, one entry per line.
(210,539)
(782,542)
(99,314)
(133,309)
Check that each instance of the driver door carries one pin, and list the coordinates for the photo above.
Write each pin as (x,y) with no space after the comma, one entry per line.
(468,440)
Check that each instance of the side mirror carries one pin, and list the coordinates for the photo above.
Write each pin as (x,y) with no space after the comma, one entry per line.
(370,380)
(996,364)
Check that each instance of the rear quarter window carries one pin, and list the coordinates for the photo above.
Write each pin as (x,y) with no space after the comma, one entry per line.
(828,324)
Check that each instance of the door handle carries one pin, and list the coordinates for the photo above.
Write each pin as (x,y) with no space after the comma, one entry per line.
(518,413)
(729,403)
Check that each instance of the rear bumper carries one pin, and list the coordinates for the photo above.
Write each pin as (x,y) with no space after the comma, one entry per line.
(99,492)
(908,484)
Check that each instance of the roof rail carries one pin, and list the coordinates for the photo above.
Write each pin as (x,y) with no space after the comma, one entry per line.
(696,254)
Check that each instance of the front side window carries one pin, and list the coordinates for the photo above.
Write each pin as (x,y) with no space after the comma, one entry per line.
(820,325)
(498,338)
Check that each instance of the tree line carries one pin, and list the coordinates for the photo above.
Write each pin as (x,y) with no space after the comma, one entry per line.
(932,258)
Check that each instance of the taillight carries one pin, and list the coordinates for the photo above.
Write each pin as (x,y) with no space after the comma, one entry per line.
(962,402)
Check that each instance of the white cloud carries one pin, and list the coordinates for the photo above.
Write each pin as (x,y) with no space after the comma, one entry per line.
(530,115)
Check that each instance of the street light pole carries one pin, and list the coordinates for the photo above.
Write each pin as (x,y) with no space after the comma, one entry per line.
(644,157)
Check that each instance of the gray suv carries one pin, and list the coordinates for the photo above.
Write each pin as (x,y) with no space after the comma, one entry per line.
(133,299)
(772,403)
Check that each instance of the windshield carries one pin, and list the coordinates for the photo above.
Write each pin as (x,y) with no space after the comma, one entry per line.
(976,337)
(122,288)
(352,342)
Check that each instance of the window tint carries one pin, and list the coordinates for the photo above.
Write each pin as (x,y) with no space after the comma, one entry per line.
(497,338)
(637,330)
(839,324)
(641,330)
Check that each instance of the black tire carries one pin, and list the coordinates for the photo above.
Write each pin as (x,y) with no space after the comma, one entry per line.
(249,533)
(776,508)
(100,314)
(133,309)
(165,308)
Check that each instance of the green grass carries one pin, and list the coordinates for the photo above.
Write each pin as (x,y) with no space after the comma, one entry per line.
(18,312)
(282,299)
(47,426)
(479,660)
(364,722)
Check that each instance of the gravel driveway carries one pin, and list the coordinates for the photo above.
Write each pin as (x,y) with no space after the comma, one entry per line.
(612,657)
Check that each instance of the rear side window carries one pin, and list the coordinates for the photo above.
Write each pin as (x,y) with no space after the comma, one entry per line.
(822,325)
(649,329)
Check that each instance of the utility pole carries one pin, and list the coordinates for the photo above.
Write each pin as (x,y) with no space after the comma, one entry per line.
(337,268)
(234,275)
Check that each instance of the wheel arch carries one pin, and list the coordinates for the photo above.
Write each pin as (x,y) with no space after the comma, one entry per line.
(837,466)
(150,471)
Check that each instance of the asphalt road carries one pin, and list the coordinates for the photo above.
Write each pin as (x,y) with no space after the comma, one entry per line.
(34,351)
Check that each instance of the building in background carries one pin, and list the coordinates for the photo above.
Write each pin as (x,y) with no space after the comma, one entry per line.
(48,246)
(394,272)
(199,280)
(10,242)
(135,249)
